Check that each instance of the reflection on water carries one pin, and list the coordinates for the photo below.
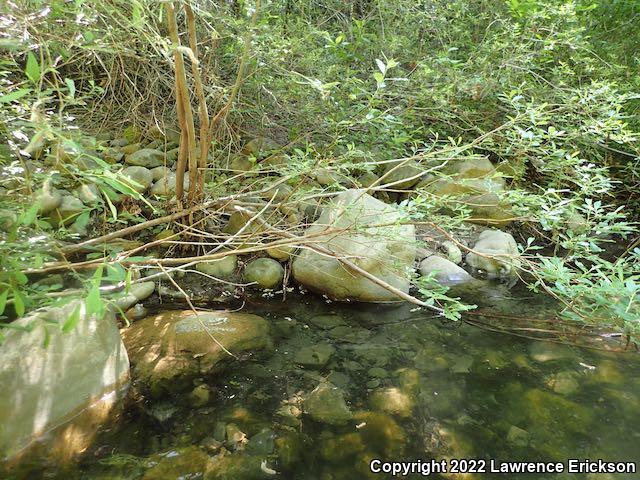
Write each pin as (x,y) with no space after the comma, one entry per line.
(346,384)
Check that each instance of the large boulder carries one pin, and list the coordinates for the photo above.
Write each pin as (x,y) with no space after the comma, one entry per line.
(363,230)
(58,383)
(496,254)
(170,349)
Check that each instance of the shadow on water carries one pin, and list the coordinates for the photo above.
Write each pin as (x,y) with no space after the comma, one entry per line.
(415,386)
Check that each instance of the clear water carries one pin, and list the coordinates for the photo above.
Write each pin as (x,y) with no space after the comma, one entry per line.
(473,394)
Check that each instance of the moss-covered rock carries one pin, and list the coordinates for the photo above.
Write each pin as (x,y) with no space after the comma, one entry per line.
(168,350)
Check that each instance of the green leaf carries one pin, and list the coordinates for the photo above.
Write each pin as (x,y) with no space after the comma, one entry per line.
(71,86)
(379,77)
(18,303)
(82,220)
(93,302)
(29,216)
(15,95)
(71,321)
(32,68)
(3,300)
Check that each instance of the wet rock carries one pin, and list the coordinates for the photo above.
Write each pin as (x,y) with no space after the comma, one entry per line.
(315,356)
(548,352)
(200,396)
(162,411)
(393,401)
(45,383)
(381,433)
(138,178)
(239,466)
(290,448)
(349,334)
(145,157)
(48,198)
(136,312)
(341,449)
(289,415)
(409,380)
(67,211)
(384,251)
(170,349)
(265,272)
(497,254)
(326,404)
(563,383)
(189,462)
(119,142)
(137,292)
(222,268)
(327,322)
(443,270)
(261,443)
(236,438)
(167,184)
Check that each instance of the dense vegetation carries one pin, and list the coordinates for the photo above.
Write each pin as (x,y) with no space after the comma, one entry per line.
(545,89)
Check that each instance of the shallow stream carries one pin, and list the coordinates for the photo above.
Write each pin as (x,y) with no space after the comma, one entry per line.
(450,390)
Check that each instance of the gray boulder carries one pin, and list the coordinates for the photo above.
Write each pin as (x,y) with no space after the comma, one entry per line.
(167,184)
(48,386)
(48,198)
(363,230)
(497,254)
(446,272)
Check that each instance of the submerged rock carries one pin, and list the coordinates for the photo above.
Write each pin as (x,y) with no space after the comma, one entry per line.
(314,356)
(189,462)
(392,400)
(265,272)
(445,271)
(497,254)
(59,386)
(170,349)
(386,251)
(326,404)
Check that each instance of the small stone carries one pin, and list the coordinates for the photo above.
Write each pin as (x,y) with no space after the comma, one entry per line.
(314,356)
(221,268)
(367,179)
(241,163)
(453,252)
(119,142)
(137,293)
(261,443)
(563,383)
(497,254)
(162,411)
(236,438)
(265,272)
(289,415)
(326,404)
(137,312)
(138,178)
(327,322)
(131,148)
